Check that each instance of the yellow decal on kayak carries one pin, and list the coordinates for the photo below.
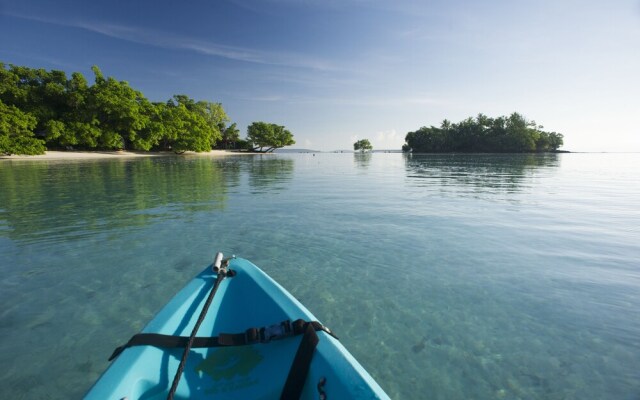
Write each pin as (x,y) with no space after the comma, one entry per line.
(229,362)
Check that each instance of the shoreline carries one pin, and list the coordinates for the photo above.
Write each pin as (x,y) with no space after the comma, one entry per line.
(95,155)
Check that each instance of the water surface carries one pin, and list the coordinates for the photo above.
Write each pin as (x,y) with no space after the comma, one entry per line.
(447,276)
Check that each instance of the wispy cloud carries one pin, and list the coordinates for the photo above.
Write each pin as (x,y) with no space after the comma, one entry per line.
(265,5)
(268,99)
(376,102)
(410,7)
(166,40)
(365,101)
(384,101)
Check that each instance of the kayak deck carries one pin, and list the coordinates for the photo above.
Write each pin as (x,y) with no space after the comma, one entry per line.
(256,371)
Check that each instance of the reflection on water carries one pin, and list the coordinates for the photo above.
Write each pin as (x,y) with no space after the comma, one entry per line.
(267,173)
(57,201)
(61,200)
(477,172)
(362,160)
(446,276)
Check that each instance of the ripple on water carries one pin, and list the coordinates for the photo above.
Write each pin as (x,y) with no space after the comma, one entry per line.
(455,276)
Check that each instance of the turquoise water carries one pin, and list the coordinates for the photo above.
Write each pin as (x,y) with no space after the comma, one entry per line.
(446,276)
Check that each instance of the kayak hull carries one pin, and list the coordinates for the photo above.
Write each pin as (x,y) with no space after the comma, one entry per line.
(257,371)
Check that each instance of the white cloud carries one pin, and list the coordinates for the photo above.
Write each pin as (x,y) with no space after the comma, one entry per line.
(387,101)
(271,98)
(389,139)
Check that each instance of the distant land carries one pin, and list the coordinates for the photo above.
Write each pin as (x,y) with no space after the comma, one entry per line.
(371,151)
(333,151)
(296,151)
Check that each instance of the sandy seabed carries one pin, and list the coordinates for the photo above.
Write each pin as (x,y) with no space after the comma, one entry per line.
(79,155)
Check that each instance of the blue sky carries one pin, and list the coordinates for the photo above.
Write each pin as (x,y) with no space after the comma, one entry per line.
(337,71)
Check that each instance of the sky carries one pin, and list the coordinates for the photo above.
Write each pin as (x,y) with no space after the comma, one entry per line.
(334,72)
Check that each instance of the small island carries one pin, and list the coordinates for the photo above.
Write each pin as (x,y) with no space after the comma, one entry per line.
(512,134)
(362,145)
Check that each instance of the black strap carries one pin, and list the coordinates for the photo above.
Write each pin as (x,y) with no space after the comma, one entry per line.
(250,336)
(164,341)
(222,273)
(301,364)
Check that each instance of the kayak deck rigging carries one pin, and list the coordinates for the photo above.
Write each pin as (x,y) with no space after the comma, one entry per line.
(295,358)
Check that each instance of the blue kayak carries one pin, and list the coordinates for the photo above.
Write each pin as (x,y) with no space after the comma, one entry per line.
(252,340)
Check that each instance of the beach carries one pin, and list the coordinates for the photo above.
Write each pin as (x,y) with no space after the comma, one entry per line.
(85,155)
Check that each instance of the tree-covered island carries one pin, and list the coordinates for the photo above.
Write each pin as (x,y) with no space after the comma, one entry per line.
(512,134)
(42,110)
(362,145)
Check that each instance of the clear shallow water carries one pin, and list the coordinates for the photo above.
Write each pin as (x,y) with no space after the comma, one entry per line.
(447,276)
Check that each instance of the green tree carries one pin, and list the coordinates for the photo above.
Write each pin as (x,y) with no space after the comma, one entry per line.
(73,124)
(230,136)
(16,132)
(520,137)
(556,140)
(109,114)
(119,110)
(185,130)
(38,92)
(10,92)
(362,145)
(265,137)
(212,113)
(216,118)
(154,134)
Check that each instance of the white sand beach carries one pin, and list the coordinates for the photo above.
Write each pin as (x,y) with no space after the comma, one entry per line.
(80,155)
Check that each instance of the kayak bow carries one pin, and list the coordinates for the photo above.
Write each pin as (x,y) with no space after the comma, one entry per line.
(256,341)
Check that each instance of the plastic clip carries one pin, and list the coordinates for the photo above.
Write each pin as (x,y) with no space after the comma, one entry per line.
(274,332)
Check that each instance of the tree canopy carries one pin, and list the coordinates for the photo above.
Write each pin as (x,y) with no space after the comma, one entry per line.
(46,109)
(512,134)
(230,137)
(16,132)
(266,137)
(362,145)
